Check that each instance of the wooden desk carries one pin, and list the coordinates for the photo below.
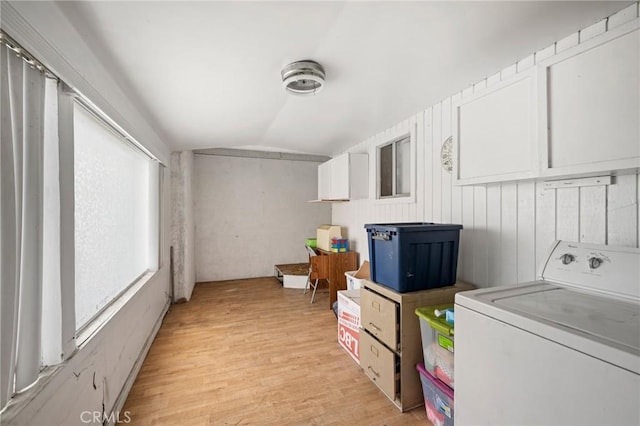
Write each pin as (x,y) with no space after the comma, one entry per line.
(337,265)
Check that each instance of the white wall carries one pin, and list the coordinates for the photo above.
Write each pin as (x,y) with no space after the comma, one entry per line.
(99,375)
(508,227)
(182,225)
(252,214)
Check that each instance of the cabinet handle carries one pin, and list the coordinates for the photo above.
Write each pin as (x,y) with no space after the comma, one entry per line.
(375,326)
(373,371)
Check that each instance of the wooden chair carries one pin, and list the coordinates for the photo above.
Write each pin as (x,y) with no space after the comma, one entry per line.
(318,270)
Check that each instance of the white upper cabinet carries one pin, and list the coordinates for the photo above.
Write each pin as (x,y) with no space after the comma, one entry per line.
(574,114)
(324,181)
(495,132)
(340,177)
(590,122)
(343,178)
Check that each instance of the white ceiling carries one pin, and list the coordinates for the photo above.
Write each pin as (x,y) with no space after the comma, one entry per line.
(207,74)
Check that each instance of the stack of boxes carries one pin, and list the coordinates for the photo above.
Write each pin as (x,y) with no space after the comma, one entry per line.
(408,257)
(436,374)
(411,257)
(324,235)
(349,312)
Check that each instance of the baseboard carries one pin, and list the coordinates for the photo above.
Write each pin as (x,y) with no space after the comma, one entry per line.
(128,384)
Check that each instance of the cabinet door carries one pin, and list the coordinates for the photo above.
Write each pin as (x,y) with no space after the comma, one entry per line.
(495,132)
(324,181)
(591,119)
(358,176)
(340,177)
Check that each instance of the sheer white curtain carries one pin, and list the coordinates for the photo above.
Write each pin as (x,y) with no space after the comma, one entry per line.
(22,93)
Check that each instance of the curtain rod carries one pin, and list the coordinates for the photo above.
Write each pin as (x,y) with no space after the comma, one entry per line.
(79,97)
(98,114)
(25,55)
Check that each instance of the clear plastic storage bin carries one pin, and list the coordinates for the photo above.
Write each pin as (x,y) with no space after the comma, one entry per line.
(437,342)
(438,399)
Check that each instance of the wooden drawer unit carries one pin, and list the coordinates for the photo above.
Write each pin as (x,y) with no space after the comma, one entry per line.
(390,342)
(379,364)
(380,318)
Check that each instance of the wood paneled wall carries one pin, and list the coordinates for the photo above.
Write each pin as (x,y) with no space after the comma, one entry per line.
(508,227)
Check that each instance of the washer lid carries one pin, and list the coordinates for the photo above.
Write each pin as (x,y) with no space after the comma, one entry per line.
(604,327)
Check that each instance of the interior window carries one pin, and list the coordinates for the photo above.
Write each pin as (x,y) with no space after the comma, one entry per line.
(394,169)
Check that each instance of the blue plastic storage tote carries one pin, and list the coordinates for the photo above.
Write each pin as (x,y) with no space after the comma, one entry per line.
(413,256)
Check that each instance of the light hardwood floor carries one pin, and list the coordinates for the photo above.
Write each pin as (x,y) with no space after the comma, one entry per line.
(251,352)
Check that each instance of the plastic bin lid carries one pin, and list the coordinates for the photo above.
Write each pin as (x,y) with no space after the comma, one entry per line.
(413,226)
(427,313)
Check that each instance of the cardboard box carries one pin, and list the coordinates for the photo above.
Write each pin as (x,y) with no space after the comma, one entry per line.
(324,235)
(349,322)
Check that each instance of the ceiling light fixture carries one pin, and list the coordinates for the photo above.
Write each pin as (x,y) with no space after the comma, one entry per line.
(303,77)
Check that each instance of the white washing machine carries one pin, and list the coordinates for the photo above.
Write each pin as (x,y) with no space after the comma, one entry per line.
(563,350)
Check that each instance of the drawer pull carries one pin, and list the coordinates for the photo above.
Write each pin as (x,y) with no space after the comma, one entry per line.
(375,326)
(374,351)
(373,371)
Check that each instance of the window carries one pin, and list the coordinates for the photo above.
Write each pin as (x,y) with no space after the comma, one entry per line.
(116,189)
(394,169)
(80,219)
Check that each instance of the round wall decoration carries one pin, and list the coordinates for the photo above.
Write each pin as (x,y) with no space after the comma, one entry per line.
(446,158)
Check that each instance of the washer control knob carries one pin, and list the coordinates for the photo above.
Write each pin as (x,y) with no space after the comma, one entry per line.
(595,262)
(567,258)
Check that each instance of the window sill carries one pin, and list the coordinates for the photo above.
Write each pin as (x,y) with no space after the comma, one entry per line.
(396,200)
(96,324)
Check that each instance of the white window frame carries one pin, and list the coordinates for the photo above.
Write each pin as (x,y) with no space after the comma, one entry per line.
(88,329)
(393,139)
